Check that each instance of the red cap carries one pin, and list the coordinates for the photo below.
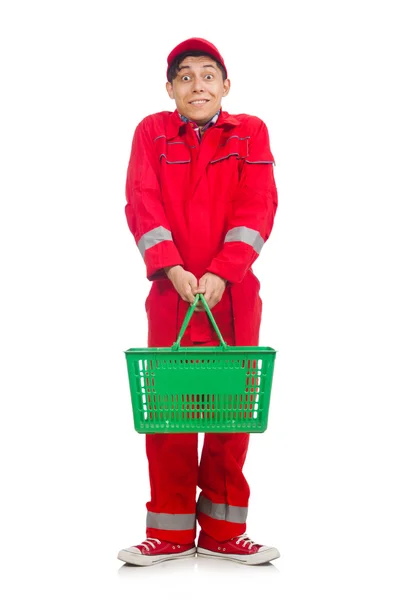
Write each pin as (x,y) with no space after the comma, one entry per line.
(195,44)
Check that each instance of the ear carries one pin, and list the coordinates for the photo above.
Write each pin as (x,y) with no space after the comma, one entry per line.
(226,87)
(170,90)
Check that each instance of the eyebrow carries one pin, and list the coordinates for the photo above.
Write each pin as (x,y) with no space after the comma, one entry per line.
(203,67)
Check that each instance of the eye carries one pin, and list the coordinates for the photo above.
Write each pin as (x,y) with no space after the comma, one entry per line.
(209,76)
(185,78)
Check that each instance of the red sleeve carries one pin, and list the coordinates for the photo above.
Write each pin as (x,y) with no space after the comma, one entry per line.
(145,210)
(254,207)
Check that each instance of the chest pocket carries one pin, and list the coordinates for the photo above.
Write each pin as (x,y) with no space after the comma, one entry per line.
(234,146)
(239,147)
(172,153)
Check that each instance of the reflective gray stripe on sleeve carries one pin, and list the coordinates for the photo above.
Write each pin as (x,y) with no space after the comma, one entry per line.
(248,236)
(222,512)
(169,521)
(153,237)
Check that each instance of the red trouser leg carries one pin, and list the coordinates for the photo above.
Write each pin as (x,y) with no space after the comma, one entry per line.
(223,503)
(174,475)
(173,471)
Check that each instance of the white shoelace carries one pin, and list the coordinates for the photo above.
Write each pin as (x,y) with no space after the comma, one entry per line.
(150,541)
(246,540)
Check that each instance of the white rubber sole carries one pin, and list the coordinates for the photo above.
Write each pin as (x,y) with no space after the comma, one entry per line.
(260,558)
(143,560)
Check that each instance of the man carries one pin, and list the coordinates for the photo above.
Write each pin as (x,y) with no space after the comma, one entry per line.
(201,200)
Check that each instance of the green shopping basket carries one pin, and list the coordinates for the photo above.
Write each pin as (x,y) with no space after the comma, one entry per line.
(220,389)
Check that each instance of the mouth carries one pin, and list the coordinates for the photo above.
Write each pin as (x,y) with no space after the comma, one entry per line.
(199,102)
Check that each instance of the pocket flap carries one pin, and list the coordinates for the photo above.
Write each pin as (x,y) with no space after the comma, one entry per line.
(233,146)
(172,152)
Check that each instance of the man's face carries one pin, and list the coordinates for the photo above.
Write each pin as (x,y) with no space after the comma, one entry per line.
(198,88)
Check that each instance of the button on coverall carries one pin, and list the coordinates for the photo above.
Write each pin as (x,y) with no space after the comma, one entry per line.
(208,206)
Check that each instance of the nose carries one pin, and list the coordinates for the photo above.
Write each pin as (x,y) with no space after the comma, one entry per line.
(198,85)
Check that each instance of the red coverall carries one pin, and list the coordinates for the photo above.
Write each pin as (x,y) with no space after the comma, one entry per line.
(208,206)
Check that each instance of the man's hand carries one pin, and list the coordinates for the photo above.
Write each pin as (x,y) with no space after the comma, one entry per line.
(212,286)
(183,281)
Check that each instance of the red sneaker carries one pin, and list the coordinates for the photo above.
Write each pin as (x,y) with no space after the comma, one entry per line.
(240,549)
(153,551)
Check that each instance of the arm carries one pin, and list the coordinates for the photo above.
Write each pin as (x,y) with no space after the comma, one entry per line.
(145,211)
(255,204)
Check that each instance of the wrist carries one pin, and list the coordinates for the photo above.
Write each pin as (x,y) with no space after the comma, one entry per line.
(170,271)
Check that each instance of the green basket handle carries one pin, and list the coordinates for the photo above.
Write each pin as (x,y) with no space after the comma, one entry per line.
(189,314)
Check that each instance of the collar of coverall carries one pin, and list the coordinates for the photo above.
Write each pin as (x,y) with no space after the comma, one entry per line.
(175,123)
(210,121)
(201,129)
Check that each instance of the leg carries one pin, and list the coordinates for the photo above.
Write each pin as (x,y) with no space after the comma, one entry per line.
(223,503)
(173,469)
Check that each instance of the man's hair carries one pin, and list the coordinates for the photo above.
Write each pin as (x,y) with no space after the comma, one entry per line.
(174,66)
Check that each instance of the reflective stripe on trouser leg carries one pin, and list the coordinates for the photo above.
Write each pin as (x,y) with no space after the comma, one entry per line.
(173,471)
(222,512)
(223,504)
(168,522)
(221,521)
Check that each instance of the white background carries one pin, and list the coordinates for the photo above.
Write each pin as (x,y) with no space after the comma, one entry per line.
(76,79)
